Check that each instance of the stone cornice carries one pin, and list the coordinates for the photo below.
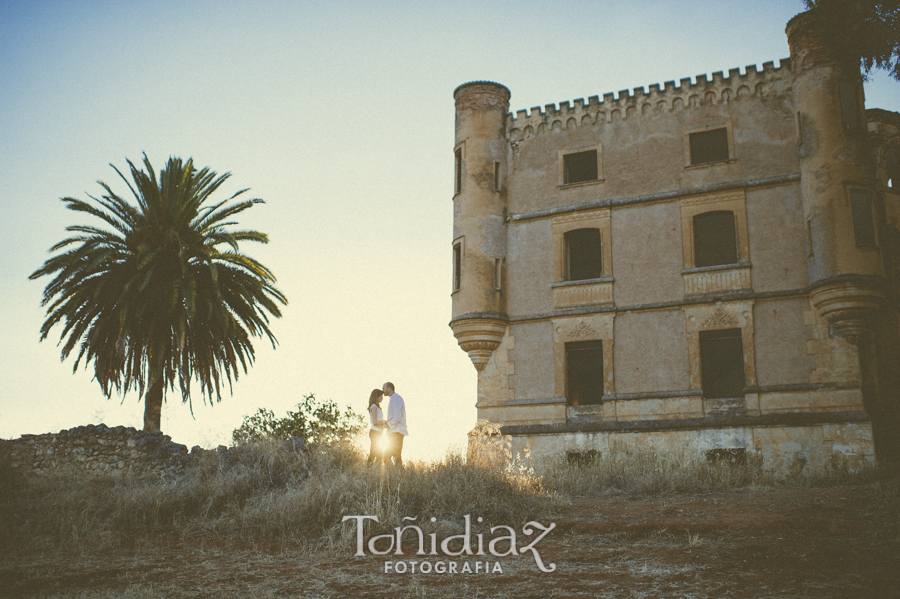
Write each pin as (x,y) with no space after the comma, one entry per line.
(740,295)
(658,197)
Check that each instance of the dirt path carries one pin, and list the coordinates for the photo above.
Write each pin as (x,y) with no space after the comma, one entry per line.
(820,543)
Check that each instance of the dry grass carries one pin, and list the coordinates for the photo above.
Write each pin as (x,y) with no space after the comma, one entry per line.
(639,474)
(261,523)
(258,492)
(652,474)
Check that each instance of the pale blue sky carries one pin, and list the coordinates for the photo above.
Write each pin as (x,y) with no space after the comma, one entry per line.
(340,116)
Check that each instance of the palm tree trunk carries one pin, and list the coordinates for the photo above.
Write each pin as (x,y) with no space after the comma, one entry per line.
(153,404)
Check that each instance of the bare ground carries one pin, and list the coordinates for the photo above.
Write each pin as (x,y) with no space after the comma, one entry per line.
(786,543)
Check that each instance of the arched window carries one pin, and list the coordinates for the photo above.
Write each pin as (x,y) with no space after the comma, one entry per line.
(715,241)
(584,254)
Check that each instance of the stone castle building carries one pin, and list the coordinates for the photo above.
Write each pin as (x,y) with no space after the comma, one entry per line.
(713,265)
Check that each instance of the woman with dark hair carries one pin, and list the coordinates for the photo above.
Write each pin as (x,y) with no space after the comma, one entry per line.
(376,426)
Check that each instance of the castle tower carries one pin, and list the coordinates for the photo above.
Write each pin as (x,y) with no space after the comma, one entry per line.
(846,272)
(479,228)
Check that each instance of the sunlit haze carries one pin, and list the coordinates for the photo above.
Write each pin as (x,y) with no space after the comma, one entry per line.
(340,116)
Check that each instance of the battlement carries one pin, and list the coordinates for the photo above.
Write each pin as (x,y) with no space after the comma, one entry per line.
(639,102)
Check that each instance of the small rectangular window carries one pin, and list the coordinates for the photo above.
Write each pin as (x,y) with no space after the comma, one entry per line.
(583,458)
(584,254)
(809,238)
(728,455)
(851,115)
(584,372)
(722,363)
(498,273)
(709,146)
(457,266)
(458,187)
(580,166)
(496,176)
(863,221)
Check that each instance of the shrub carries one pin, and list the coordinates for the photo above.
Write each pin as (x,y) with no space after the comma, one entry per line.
(315,420)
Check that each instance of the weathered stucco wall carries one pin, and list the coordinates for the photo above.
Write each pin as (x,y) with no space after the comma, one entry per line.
(642,138)
(777,238)
(647,256)
(651,352)
(781,339)
(529,268)
(784,450)
(534,351)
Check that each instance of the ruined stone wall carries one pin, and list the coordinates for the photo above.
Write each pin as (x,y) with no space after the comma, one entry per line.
(96,449)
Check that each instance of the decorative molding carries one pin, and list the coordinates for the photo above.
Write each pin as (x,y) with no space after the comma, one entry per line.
(581,216)
(728,196)
(581,294)
(481,95)
(713,281)
(643,104)
(479,337)
(583,331)
(848,303)
(720,319)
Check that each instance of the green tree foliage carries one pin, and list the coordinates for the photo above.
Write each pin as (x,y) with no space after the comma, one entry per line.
(861,29)
(159,292)
(317,421)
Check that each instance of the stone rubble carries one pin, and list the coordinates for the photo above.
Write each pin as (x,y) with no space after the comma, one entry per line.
(97,449)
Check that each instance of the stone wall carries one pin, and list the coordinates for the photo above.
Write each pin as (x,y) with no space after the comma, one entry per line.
(97,449)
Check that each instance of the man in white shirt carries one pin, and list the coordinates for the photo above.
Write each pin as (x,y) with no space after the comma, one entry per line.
(396,426)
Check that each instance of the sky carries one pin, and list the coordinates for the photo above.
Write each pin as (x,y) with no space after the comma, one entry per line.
(340,115)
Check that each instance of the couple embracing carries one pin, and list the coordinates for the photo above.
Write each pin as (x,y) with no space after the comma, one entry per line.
(393,426)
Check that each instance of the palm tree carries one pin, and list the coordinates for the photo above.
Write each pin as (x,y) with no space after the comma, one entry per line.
(160,291)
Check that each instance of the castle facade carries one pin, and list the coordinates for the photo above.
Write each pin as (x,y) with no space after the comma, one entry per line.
(713,265)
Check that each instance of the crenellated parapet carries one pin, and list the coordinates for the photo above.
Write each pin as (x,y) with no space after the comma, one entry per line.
(657,99)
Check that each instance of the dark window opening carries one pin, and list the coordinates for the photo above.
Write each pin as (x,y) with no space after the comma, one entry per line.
(583,458)
(496,176)
(892,168)
(730,455)
(863,220)
(722,363)
(580,166)
(584,254)
(457,264)
(893,256)
(851,115)
(458,186)
(584,373)
(709,146)
(715,239)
